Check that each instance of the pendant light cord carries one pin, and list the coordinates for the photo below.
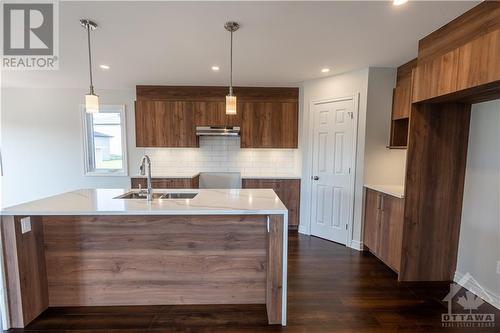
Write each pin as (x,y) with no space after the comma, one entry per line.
(231,67)
(90,60)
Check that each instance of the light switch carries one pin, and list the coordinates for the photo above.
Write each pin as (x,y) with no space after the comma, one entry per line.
(25,224)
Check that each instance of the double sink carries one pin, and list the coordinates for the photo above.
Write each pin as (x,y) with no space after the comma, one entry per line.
(157,195)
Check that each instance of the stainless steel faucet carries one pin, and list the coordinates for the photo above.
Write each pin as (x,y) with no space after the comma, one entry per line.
(147,161)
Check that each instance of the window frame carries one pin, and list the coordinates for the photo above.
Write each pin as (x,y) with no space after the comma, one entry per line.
(86,135)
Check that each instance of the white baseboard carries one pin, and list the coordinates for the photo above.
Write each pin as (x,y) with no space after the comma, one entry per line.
(303,230)
(494,299)
(356,245)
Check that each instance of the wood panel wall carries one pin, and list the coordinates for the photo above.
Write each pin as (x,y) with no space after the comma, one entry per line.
(25,270)
(437,156)
(146,260)
(274,276)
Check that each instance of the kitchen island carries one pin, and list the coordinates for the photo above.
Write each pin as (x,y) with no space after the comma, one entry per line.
(90,248)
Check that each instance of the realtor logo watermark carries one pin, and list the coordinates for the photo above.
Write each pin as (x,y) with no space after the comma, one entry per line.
(30,35)
(468,313)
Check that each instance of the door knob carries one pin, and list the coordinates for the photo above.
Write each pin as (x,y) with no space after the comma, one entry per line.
(315,178)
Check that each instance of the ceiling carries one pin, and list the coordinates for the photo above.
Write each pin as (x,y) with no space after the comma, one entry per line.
(278,44)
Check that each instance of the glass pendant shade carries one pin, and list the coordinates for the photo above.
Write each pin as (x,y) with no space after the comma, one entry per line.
(230,105)
(91,103)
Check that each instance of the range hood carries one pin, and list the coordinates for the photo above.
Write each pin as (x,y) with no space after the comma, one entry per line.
(217,130)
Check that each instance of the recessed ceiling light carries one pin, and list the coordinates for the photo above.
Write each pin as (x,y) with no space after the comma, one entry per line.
(215,68)
(399,2)
(104,67)
(325,70)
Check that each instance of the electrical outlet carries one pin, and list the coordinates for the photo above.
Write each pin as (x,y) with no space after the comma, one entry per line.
(498,267)
(25,225)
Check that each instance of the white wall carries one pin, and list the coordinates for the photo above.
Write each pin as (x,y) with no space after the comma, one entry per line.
(383,166)
(42,142)
(348,84)
(479,245)
(375,164)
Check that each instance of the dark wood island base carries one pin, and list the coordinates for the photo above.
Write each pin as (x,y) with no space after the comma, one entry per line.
(110,260)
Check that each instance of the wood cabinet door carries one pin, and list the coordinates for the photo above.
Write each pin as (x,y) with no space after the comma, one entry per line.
(401,102)
(269,124)
(371,233)
(214,114)
(436,77)
(165,124)
(479,61)
(164,182)
(391,231)
(288,190)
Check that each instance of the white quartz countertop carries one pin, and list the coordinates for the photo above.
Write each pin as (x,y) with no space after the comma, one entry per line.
(394,190)
(102,202)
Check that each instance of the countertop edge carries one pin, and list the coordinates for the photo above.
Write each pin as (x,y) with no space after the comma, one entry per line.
(142,213)
(393,190)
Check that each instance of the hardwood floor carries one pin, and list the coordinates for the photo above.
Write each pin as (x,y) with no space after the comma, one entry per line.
(331,289)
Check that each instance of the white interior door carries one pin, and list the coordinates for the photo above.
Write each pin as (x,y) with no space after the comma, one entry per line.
(332,169)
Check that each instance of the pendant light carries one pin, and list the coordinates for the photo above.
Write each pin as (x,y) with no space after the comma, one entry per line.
(91,99)
(231,98)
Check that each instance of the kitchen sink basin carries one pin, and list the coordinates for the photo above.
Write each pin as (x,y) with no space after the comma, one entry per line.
(157,195)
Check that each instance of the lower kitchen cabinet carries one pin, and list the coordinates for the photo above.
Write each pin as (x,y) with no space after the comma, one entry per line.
(383,227)
(166,182)
(372,220)
(288,190)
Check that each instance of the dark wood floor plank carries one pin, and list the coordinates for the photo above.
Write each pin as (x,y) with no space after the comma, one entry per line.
(331,289)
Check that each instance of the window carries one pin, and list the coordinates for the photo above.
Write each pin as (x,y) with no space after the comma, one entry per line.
(105,148)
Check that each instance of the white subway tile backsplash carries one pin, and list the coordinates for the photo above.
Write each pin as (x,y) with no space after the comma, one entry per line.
(224,154)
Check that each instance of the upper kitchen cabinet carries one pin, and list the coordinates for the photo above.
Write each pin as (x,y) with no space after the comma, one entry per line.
(401,102)
(460,62)
(165,124)
(269,124)
(401,105)
(479,61)
(213,113)
(436,77)
(167,116)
